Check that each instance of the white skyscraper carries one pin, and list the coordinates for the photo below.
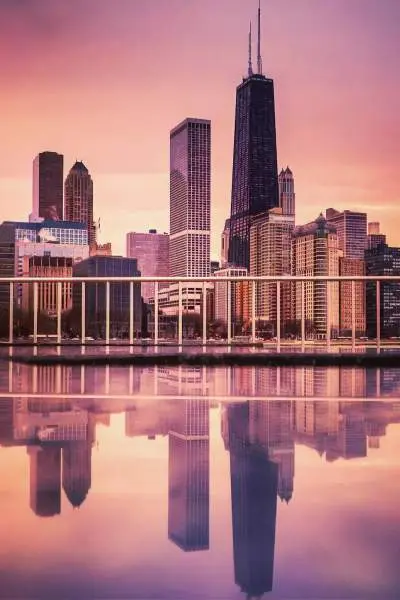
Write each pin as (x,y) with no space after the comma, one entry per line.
(190,170)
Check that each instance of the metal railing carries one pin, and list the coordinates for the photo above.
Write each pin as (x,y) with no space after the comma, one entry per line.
(8,299)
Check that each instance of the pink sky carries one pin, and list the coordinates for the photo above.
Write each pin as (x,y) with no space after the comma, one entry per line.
(105,81)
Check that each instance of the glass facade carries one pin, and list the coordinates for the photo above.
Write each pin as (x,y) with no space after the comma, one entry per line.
(255,165)
(151,251)
(190,198)
(95,300)
(383,260)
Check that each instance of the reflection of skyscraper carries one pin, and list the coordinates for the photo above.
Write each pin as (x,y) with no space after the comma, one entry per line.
(188,477)
(6,421)
(254,484)
(45,480)
(77,470)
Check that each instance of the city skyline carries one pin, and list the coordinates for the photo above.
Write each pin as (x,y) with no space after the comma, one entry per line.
(332,167)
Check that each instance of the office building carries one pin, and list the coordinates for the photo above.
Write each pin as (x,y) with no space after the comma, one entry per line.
(190,193)
(383,260)
(255,165)
(151,251)
(214,266)
(48,177)
(225,244)
(79,199)
(375,238)
(19,240)
(351,229)
(47,266)
(287,197)
(315,252)
(101,249)
(270,252)
(95,295)
(356,267)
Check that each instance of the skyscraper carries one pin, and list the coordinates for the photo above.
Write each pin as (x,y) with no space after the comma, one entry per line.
(190,174)
(255,164)
(383,260)
(287,197)
(79,198)
(351,228)
(48,174)
(315,251)
(151,251)
(225,244)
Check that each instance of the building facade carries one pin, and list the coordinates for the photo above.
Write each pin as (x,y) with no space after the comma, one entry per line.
(240,305)
(95,296)
(287,197)
(352,266)
(255,164)
(47,193)
(315,252)
(47,266)
(151,251)
(190,195)
(270,254)
(383,260)
(351,229)
(225,244)
(79,198)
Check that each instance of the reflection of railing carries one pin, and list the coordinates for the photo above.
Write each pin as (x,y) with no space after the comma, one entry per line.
(285,291)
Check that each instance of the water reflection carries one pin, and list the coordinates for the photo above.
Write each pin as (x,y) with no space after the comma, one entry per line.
(265,416)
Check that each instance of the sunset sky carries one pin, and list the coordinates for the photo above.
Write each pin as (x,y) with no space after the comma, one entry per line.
(104,81)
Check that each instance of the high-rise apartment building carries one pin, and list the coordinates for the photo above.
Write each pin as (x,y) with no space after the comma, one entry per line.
(255,164)
(270,251)
(351,229)
(190,193)
(375,238)
(79,199)
(287,197)
(151,251)
(315,251)
(48,176)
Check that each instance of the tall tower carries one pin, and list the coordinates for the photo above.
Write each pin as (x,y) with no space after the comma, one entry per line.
(255,165)
(190,175)
(79,198)
(287,197)
(47,200)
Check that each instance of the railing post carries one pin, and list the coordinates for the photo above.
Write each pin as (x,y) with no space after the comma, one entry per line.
(59,301)
(35,312)
(204,314)
(253,311)
(83,312)
(11,315)
(303,315)
(378,315)
(107,313)
(229,311)
(131,315)
(353,314)
(180,321)
(278,315)
(156,311)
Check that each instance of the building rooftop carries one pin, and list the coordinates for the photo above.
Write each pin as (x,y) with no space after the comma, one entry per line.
(318,227)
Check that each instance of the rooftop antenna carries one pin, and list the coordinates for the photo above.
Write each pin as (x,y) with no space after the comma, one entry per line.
(259,59)
(250,63)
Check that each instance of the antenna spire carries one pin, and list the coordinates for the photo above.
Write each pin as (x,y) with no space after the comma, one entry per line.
(259,59)
(250,71)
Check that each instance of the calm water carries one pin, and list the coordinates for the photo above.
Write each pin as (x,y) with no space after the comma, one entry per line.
(199,483)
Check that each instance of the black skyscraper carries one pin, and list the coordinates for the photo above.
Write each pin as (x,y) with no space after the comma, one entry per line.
(255,165)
